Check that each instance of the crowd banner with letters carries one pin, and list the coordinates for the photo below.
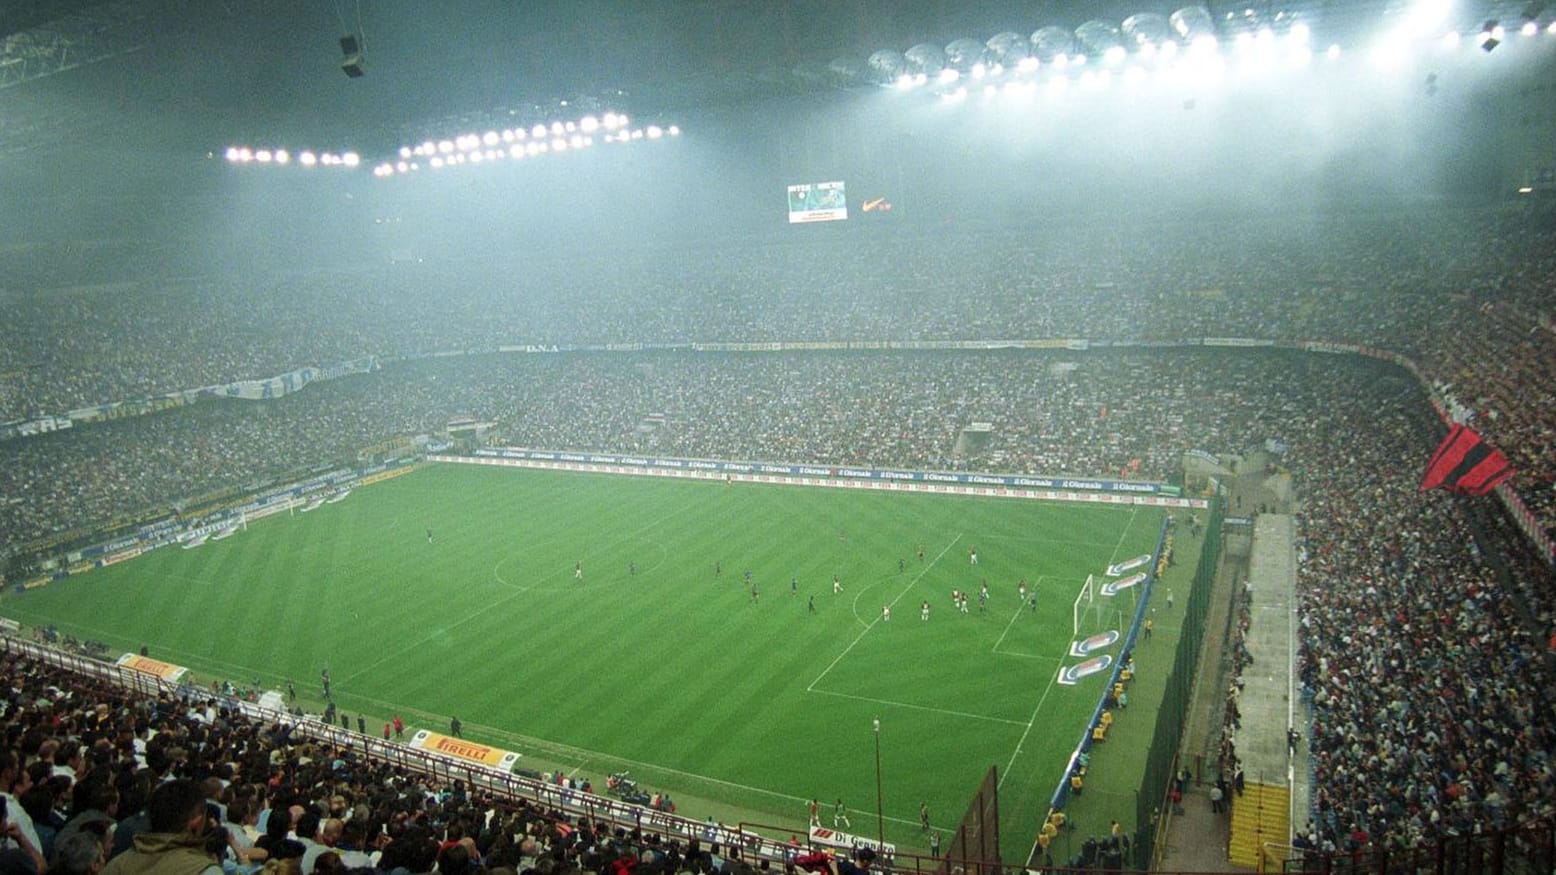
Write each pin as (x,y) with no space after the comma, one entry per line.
(155,667)
(465,751)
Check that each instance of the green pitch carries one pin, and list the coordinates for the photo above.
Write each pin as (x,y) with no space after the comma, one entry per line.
(741,707)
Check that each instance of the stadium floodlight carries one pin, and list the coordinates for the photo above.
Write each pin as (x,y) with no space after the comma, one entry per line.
(905,81)
(557,128)
(490,138)
(886,67)
(1551,28)
(263,156)
(1114,56)
(1299,34)
(1430,15)
(307,159)
(1192,23)
(1529,28)
(925,59)
(405,151)
(979,71)
(445,147)
(232,153)
(1028,65)
(1051,42)
(1007,49)
(588,124)
(963,54)
(947,76)
(655,132)
(1333,52)
(674,131)
(1451,40)
(403,166)
(1097,37)
(1169,50)
(351,159)
(436,162)
(282,156)
(1491,36)
(1146,29)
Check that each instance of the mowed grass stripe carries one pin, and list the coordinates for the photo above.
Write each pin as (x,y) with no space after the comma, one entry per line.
(669,671)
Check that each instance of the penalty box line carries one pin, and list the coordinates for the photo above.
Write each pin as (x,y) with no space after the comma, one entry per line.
(894,704)
(860,637)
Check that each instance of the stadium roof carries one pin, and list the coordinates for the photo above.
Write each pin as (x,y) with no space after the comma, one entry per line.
(167,76)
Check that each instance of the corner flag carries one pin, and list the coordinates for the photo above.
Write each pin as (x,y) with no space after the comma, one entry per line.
(1466,464)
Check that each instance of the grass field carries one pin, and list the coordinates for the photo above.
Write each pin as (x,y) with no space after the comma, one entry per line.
(738,707)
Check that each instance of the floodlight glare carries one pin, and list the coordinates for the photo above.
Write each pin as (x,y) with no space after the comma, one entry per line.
(1300,33)
(589,124)
(232,153)
(538,132)
(282,157)
(351,159)
(655,132)
(1027,65)
(445,146)
(490,138)
(515,151)
(979,71)
(675,131)
(948,75)
(1114,55)
(1551,28)
(307,159)
(402,166)
(1451,40)
(1169,50)
(1529,28)
(1334,51)
(405,151)
(436,162)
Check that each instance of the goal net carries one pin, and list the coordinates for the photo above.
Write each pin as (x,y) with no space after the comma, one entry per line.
(1094,612)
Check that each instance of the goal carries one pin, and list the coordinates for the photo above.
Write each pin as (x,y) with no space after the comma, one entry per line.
(1093,613)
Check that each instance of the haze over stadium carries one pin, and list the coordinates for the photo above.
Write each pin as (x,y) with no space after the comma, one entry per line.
(710,436)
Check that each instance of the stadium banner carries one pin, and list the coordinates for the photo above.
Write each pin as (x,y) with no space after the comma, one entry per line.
(739,472)
(831,838)
(29,427)
(156,667)
(287,383)
(894,475)
(464,751)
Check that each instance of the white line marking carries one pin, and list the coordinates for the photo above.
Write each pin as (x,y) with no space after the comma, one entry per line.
(1019,607)
(1033,720)
(945,711)
(860,637)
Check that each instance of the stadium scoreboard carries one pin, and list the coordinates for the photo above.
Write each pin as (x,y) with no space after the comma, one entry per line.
(817,202)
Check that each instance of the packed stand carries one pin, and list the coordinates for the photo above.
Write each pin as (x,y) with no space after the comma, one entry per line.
(1465,293)
(91,773)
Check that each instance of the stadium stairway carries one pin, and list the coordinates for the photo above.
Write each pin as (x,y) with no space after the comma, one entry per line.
(1260,814)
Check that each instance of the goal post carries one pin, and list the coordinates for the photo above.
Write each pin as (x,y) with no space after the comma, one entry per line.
(1085,600)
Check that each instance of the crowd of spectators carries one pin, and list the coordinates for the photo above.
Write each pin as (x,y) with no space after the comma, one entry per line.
(1397,595)
(1467,294)
(90,772)
(1424,649)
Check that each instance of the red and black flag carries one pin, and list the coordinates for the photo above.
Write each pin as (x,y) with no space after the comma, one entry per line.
(1466,464)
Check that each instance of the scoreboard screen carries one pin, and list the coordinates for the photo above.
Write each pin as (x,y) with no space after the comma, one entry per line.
(818,202)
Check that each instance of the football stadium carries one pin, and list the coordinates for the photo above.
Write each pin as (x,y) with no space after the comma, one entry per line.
(733,436)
